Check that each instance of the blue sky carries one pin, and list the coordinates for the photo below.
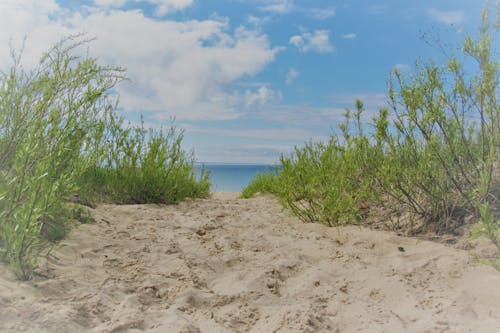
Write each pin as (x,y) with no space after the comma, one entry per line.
(247,80)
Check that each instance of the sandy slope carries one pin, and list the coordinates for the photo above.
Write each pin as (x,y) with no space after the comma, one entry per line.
(231,265)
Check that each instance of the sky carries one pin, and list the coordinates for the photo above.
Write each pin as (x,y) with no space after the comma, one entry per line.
(246,80)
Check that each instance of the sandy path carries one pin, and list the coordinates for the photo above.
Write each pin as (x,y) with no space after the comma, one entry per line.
(232,265)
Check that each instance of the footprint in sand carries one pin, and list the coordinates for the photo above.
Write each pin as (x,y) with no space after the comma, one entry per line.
(122,235)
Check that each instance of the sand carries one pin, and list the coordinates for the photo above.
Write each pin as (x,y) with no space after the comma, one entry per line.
(231,265)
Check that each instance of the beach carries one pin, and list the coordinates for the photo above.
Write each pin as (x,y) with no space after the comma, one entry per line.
(225,264)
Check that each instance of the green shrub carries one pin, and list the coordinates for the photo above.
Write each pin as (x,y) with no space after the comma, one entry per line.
(58,135)
(81,214)
(332,183)
(329,182)
(146,167)
(447,135)
(45,116)
(267,182)
(433,153)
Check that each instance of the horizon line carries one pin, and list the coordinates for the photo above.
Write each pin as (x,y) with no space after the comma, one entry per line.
(235,163)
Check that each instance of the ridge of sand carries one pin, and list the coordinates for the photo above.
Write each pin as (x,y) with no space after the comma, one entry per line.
(231,265)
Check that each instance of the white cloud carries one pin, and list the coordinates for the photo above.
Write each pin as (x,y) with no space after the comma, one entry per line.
(297,41)
(179,66)
(29,18)
(278,6)
(258,21)
(110,3)
(288,6)
(322,13)
(319,41)
(317,122)
(180,69)
(163,7)
(291,75)
(293,134)
(319,119)
(286,126)
(260,97)
(241,153)
(447,17)
(232,143)
(349,36)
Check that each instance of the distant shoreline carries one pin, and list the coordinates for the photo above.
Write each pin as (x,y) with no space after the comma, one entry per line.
(235,164)
(229,177)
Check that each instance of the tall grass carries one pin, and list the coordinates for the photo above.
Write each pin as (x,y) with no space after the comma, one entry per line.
(60,138)
(331,182)
(432,153)
(265,182)
(143,166)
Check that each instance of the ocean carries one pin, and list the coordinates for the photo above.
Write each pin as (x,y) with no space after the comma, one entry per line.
(232,177)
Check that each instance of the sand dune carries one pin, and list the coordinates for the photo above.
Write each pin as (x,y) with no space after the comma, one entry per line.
(231,265)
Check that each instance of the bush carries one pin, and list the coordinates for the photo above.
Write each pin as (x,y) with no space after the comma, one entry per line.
(267,182)
(58,133)
(328,183)
(46,116)
(332,183)
(147,166)
(432,153)
(447,136)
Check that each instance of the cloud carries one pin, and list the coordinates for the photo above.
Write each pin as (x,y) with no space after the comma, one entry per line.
(447,17)
(288,6)
(230,142)
(291,75)
(278,6)
(260,97)
(258,21)
(349,36)
(110,3)
(319,119)
(297,41)
(286,126)
(274,133)
(182,69)
(241,153)
(163,7)
(37,20)
(318,41)
(322,13)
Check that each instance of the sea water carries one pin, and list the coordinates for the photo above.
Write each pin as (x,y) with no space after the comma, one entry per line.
(232,177)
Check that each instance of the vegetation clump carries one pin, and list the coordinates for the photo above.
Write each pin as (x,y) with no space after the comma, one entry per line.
(433,153)
(61,141)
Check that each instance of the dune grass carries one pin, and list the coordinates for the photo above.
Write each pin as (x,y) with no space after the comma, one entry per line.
(265,182)
(433,153)
(148,166)
(61,141)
